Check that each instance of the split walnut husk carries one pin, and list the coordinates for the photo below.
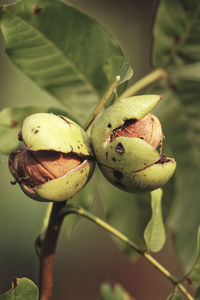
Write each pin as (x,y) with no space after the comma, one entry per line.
(57,160)
(127,141)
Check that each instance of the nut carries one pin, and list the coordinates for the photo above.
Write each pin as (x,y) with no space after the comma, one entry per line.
(57,159)
(148,128)
(125,141)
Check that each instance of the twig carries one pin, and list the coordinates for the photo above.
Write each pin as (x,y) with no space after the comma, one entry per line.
(84,213)
(103,101)
(144,82)
(47,252)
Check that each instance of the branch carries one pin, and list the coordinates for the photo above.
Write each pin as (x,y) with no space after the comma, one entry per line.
(47,253)
(84,213)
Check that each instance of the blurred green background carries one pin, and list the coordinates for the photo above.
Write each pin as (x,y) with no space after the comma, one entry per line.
(82,262)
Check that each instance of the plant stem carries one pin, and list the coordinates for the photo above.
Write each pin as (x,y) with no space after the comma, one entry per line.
(144,82)
(103,101)
(84,213)
(47,254)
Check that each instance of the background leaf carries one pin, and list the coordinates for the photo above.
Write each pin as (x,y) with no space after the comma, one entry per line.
(177,45)
(154,233)
(194,274)
(114,291)
(197,295)
(22,289)
(63,50)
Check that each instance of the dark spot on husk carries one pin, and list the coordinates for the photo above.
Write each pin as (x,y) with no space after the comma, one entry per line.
(163,159)
(118,175)
(120,148)
(119,184)
(113,158)
(20,138)
(13,124)
(36,131)
(109,125)
(37,9)
(13,182)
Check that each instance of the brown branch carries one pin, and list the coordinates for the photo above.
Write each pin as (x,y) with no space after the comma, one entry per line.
(47,253)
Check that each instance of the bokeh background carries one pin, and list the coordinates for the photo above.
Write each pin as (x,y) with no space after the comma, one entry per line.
(89,256)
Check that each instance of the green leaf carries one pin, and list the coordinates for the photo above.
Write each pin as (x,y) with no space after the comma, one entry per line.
(189,72)
(176,295)
(84,199)
(114,291)
(177,47)
(118,65)
(154,233)
(63,50)
(194,274)
(22,289)
(176,33)
(126,212)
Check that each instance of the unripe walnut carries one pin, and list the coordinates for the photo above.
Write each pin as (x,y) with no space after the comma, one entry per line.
(125,141)
(56,161)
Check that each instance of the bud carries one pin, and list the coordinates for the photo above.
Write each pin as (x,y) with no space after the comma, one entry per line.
(57,159)
(125,141)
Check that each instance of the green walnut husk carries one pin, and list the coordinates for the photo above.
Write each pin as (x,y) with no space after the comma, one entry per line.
(57,160)
(130,163)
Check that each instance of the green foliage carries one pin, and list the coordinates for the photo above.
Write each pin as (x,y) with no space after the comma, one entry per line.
(64,51)
(22,289)
(114,291)
(154,233)
(177,47)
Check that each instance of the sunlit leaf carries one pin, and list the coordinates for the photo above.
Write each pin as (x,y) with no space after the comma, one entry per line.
(63,51)
(154,233)
(114,291)
(22,289)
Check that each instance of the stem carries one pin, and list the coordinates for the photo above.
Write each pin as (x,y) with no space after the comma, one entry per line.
(84,213)
(103,101)
(144,82)
(47,253)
